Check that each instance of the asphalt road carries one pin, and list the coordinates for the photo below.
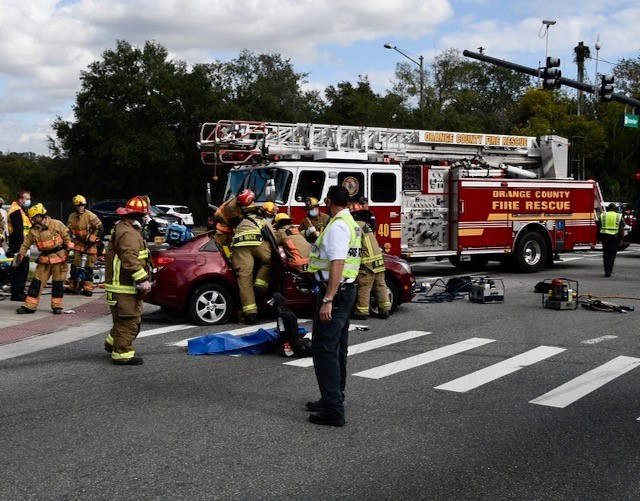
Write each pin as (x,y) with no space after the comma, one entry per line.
(457,401)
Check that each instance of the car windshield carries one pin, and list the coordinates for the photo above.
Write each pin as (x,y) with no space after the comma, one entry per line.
(256,180)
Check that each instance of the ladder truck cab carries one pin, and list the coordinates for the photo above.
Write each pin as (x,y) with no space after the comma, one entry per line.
(466,197)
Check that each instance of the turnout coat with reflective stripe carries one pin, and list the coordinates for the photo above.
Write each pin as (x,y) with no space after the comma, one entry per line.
(84,228)
(52,239)
(127,259)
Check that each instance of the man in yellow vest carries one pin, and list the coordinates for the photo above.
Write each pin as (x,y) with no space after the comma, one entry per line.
(335,258)
(18,225)
(128,262)
(53,240)
(611,233)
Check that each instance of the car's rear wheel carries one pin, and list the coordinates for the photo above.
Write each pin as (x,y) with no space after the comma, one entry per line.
(210,304)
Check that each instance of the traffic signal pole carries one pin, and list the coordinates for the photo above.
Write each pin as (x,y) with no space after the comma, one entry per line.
(535,73)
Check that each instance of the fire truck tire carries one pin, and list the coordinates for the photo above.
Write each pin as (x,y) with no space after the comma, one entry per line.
(531,252)
(476,263)
(210,304)
(394,296)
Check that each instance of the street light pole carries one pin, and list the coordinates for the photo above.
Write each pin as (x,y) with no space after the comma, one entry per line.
(420,63)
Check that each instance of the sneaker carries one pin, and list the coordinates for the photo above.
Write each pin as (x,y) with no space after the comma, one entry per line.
(131,361)
(24,310)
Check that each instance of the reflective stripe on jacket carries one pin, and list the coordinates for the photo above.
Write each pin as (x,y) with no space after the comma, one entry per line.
(354,255)
(294,244)
(127,259)
(610,222)
(248,233)
(52,239)
(371,253)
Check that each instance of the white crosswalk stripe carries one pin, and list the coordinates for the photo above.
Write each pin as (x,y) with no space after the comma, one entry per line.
(590,381)
(495,371)
(423,358)
(366,346)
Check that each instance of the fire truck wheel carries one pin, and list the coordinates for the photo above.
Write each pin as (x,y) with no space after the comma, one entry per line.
(210,304)
(531,252)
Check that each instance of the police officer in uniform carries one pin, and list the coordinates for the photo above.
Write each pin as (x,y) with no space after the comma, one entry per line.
(315,221)
(53,240)
(251,244)
(371,274)
(336,259)
(128,262)
(87,230)
(227,217)
(611,232)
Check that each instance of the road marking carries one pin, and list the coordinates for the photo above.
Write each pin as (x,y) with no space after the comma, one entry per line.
(599,339)
(577,388)
(495,371)
(162,330)
(366,346)
(423,358)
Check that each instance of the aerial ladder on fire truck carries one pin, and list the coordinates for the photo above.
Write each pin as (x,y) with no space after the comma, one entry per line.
(233,142)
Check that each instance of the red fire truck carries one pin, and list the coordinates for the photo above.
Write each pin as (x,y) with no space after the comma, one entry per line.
(466,197)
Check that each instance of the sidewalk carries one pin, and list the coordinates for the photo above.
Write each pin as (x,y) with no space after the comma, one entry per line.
(78,310)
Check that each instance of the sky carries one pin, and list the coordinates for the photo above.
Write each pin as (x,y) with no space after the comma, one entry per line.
(45,44)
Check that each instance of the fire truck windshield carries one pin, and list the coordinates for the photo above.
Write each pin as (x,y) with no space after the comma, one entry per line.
(256,180)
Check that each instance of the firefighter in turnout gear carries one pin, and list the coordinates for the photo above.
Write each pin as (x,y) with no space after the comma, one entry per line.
(128,263)
(253,244)
(87,230)
(227,217)
(52,239)
(312,225)
(371,274)
(295,246)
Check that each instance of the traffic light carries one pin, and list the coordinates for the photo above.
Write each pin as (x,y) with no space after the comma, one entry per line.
(551,74)
(606,88)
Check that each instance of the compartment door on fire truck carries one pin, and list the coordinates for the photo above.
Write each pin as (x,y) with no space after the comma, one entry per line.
(384,201)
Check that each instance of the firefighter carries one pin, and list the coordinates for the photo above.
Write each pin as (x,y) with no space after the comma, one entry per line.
(371,274)
(295,246)
(227,217)
(86,230)
(128,262)
(53,240)
(315,221)
(253,243)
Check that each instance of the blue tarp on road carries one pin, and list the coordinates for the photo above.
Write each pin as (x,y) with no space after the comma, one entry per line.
(228,344)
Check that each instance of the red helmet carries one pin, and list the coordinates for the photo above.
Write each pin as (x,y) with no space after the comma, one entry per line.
(246,197)
(136,205)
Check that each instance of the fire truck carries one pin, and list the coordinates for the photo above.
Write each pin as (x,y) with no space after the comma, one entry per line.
(466,197)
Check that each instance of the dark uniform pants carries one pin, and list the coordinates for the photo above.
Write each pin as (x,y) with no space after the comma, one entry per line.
(610,245)
(366,281)
(18,278)
(329,344)
(127,316)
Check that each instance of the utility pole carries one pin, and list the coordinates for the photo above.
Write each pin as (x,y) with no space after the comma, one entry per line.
(581,52)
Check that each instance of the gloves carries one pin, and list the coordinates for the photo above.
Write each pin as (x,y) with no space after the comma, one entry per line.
(144,286)
(310,231)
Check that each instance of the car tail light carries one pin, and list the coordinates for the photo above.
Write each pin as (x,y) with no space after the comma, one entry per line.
(162,261)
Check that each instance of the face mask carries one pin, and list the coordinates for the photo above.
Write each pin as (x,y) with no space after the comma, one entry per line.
(313,212)
(27,204)
(270,219)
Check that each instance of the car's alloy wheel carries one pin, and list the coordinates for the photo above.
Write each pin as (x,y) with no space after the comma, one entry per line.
(210,304)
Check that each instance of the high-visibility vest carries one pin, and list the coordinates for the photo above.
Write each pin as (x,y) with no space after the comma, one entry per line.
(26,222)
(610,222)
(354,256)
(371,253)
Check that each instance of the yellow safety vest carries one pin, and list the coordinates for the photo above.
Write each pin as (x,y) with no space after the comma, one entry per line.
(26,222)
(610,222)
(354,256)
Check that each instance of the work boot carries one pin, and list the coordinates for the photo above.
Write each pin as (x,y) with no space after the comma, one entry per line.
(24,310)
(108,347)
(86,292)
(130,361)
(250,318)
(357,316)
(57,311)
(384,315)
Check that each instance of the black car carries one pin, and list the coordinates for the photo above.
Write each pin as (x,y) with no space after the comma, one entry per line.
(157,226)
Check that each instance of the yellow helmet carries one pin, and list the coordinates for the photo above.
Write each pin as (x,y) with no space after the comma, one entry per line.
(79,200)
(282,216)
(37,209)
(311,203)
(269,208)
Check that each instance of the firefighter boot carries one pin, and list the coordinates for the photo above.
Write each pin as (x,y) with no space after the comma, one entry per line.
(24,310)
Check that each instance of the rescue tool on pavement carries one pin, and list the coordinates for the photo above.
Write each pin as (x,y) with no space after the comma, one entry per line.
(466,197)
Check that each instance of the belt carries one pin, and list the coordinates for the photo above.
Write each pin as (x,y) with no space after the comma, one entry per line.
(52,251)
(343,285)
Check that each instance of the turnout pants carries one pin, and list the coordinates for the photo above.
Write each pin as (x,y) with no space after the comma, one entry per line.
(126,311)
(244,259)
(77,261)
(58,272)
(366,281)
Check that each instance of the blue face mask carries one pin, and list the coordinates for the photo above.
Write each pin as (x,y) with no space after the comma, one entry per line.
(27,204)
(313,212)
